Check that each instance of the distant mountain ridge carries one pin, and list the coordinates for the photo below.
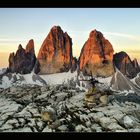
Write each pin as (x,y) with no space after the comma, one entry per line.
(97,57)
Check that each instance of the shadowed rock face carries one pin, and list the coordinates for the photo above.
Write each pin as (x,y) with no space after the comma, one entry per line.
(24,60)
(120,82)
(96,56)
(123,62)
(74,64)
(30,47)
(136,65)
(55,54)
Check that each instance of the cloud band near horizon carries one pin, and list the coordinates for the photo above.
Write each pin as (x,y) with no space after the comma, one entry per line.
(132,37)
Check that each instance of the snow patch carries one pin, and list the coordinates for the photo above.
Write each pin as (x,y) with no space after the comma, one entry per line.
(29,80)
(59,78)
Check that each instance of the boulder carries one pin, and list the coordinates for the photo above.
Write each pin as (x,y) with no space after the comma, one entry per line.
(48,115)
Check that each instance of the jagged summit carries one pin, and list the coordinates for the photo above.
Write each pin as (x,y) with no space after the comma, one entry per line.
(55,54)
(56,27)
(24,60)
(96,57)
(123,62)
(30,47)
(20,47)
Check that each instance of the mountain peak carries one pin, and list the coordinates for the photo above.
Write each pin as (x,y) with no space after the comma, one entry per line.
(96,56)
(56,27)
(123,62)
(136,65)
(95,33)
(55,54)
(30,47)
(20,47)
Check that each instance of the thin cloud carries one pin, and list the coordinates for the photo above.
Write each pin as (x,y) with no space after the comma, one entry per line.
(15,40)
(128,36)
(9,40)
(132,37)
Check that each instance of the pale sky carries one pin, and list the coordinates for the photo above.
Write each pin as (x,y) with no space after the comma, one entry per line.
(121,26)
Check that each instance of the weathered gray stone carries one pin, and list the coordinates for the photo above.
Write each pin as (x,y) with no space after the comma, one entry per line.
(128,122)
(105,122)
(96,128)
(114,126)
(63,128)
(134,130)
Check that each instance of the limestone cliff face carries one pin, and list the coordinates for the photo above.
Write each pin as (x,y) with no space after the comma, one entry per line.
(136,65)
(30,47)
(96,56)
(55,54)
(123,62)
(24,60)
(74,64)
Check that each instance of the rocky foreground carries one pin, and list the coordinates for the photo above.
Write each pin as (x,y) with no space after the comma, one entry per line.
(61,108)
